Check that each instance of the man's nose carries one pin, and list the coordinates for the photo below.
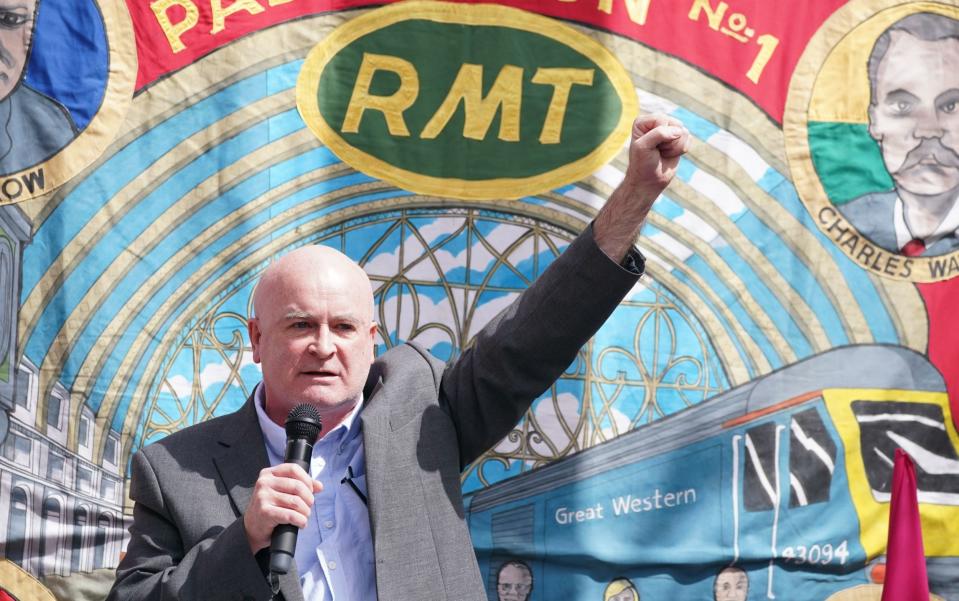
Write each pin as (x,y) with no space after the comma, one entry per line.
(927,124)
(6,58)
(322,344)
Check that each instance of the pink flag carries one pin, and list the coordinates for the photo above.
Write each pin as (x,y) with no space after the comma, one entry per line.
(906,578)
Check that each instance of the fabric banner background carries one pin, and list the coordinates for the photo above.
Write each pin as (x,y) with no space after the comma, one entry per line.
(730,432)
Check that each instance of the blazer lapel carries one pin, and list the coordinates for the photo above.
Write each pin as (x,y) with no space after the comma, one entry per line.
(239,462)
(375,418)
(242,456)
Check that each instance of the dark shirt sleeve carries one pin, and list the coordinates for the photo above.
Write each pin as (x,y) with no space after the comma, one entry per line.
(527,347)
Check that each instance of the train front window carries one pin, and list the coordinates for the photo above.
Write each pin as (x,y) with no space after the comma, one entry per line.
(812,459)
(760,486)
(920,430)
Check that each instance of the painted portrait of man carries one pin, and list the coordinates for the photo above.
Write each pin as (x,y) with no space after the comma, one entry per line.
(33,126)
(914,118)
(621,589)
(731,584)
(514,581)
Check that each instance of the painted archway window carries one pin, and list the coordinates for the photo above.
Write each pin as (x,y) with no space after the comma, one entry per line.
(100,541)
(51,533)
(76,539)
(16,527)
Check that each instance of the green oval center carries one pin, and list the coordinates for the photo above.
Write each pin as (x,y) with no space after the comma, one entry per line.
(478,111)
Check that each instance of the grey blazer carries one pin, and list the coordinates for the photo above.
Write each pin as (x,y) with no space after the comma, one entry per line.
(422,422)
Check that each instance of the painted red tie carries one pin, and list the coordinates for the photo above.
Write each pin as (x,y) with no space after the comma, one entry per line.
(914,248)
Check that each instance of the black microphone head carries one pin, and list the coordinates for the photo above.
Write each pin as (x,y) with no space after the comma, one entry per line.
(303,423)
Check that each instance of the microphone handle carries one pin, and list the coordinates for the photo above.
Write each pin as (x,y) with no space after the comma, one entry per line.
(283,541)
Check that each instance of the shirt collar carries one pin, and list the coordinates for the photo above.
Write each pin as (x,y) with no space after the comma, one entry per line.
(275,435)
(949,226)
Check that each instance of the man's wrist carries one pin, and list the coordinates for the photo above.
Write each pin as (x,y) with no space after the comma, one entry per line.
(619,222)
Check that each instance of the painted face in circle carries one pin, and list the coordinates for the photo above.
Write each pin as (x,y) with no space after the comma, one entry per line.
(16,31)
(621,589)
(626,595)
(731,584)
(915,118)
(514,583)
(313,333)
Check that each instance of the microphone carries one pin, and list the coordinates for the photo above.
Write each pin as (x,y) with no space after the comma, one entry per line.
(303,427)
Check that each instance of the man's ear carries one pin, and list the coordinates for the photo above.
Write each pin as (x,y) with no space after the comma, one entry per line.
(372,341)
(253,329)
(873,131)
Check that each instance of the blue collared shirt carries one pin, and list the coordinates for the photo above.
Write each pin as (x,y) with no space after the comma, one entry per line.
(334,552)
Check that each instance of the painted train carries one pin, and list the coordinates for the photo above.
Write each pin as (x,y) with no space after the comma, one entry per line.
(785,480)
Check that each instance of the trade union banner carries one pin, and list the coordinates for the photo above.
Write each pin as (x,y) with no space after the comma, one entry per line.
(728,434)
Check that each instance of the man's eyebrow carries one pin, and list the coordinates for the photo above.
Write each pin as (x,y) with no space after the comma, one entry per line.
(298,315)
(947,94)
(900,92)
(295,315)
(348,317)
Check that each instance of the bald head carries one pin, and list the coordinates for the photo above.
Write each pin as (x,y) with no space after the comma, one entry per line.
(313,333)
(320,263)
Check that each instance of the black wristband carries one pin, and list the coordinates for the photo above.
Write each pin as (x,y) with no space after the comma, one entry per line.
(634,261)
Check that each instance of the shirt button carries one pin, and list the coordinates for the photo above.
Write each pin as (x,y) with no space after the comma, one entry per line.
(332,565)
(328,523)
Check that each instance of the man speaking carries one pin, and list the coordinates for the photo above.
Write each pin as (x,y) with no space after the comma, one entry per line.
(380,513)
